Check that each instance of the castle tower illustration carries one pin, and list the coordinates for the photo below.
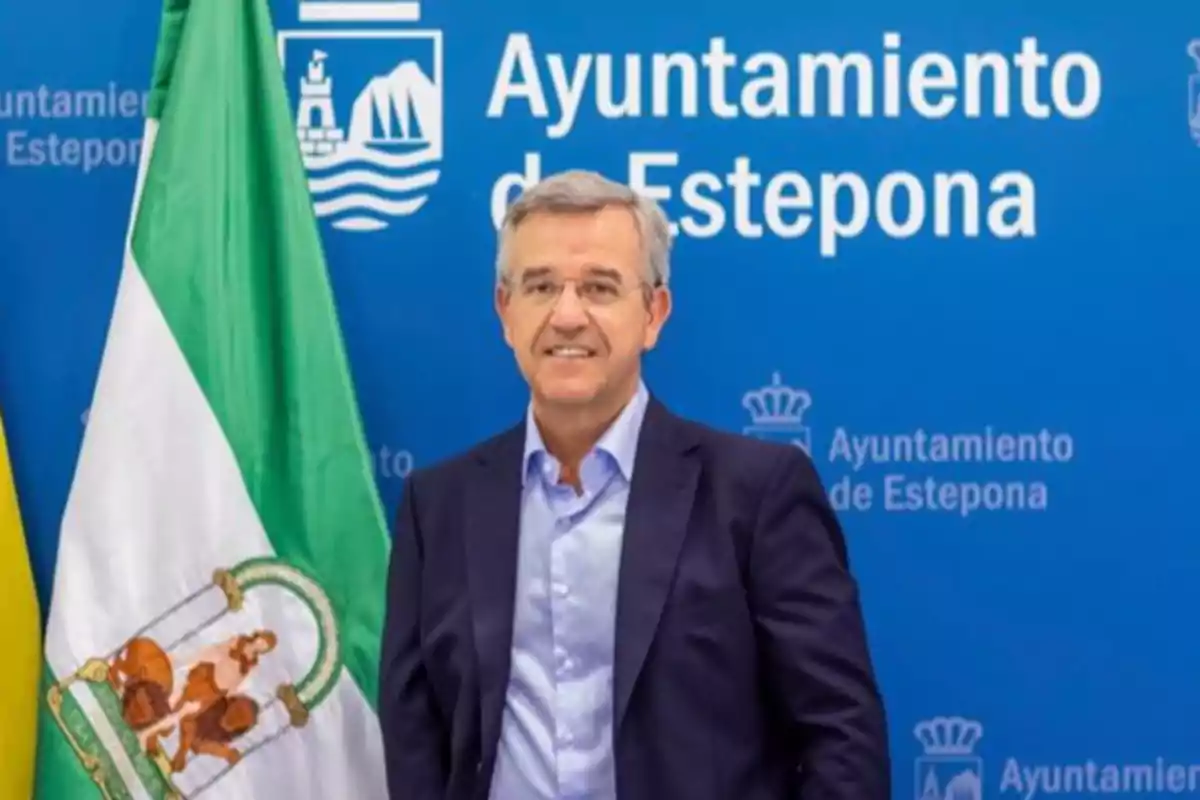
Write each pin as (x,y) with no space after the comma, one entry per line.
(316,123)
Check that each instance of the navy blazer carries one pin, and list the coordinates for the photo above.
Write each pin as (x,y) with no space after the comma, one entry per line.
(742,670)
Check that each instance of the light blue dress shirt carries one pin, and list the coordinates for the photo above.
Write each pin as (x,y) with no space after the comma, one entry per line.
(556,733)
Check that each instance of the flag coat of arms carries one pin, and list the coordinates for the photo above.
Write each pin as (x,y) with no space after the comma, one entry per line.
(218,597)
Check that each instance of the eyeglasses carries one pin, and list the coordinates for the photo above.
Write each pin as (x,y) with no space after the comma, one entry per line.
(591,291)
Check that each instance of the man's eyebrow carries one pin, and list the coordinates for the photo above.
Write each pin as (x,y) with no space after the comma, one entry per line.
(534,272)
(593,270)
(603,272)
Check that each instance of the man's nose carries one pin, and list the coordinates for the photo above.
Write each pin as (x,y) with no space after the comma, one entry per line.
(568,311)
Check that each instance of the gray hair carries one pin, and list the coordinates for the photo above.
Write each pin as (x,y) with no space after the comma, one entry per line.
(581,191)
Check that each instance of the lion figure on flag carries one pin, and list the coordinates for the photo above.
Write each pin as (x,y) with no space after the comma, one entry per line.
(207,709)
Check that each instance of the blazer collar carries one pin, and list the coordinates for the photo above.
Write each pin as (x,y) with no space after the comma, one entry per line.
(619,442)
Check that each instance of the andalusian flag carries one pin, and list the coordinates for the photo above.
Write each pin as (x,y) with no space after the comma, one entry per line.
(218,601)
(20,632)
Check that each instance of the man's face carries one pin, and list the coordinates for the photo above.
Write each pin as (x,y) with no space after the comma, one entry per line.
(577,310)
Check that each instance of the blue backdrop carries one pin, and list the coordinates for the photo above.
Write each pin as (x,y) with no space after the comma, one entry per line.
(952,253)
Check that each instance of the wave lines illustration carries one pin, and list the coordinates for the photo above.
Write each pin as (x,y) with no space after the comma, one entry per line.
(358,188)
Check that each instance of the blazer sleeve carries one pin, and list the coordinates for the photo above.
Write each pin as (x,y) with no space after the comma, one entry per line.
(812,635)
(415,738)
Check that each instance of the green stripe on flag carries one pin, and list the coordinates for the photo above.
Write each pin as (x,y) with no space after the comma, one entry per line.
(60,774)
(228,243)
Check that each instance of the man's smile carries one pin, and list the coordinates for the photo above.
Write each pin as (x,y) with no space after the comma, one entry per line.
(571,351)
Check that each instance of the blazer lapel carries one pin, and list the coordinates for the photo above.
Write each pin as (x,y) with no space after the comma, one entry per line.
(656,522)
(493,508)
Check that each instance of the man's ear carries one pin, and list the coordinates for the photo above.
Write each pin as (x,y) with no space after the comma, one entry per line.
(501,301)
(658,310)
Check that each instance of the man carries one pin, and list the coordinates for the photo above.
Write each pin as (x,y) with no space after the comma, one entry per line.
(607,601)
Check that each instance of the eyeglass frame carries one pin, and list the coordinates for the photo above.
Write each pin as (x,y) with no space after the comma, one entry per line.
(600,274)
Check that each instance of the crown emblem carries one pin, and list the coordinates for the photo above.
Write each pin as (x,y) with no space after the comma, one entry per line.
(948,736)
(777,404)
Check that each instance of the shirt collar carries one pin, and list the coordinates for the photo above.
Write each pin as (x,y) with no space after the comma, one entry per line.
(619,441)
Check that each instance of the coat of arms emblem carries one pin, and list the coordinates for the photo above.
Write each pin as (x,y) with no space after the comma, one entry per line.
(203,686)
